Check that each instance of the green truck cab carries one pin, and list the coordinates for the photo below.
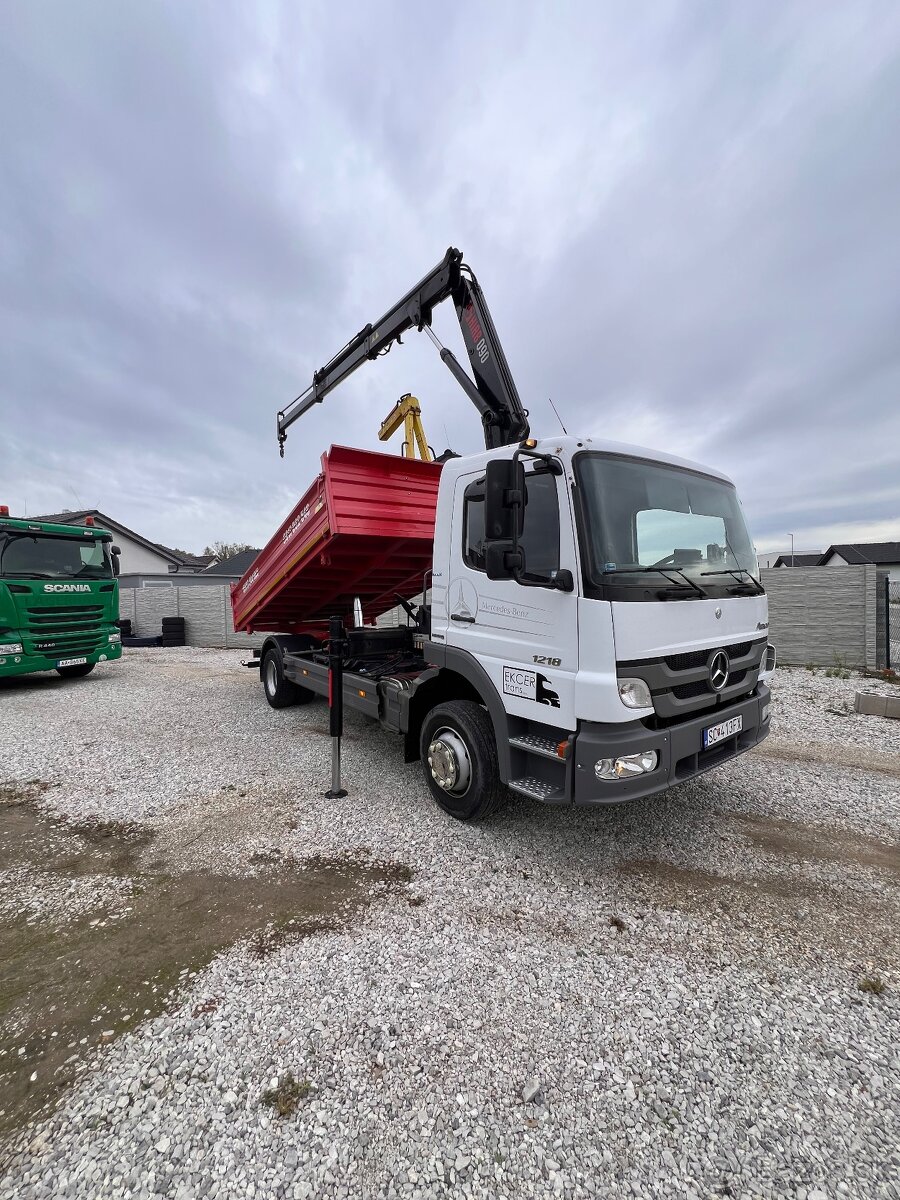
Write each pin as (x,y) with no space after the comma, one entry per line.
(59,597)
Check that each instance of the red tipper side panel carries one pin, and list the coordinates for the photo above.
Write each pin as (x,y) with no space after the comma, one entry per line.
(364,528)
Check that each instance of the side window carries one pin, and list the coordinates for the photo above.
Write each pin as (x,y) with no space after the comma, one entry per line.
(540,536)
(473,526)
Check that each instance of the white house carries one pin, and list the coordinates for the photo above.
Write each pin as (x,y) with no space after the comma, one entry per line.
(862,554)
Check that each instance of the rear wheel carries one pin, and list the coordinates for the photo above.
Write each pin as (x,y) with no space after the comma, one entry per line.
(459,758)
(281,692)
(75,672)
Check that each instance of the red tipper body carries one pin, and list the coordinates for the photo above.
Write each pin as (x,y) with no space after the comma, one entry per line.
(365,528)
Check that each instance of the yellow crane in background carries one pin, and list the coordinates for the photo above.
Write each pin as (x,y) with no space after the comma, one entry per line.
(406,412)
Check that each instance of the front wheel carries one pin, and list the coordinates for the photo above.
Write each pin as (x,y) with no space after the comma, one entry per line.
(459,757)
(75,672)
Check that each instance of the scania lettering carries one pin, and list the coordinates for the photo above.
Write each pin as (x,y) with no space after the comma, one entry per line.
(59,597)
(597,630)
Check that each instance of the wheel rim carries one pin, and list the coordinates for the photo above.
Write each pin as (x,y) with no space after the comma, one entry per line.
(449,762)
(271,677)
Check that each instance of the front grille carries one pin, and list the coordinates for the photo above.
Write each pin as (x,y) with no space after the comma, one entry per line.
(61,645)
(687,691)
(65,630)
(680,683)
(699,658)
(67,618)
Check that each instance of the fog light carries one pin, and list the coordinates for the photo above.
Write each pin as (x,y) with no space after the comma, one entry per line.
(11,648)
(604,768)
(634,693)
(626,765)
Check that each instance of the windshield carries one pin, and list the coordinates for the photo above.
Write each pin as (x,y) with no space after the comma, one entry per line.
(687,526)
(38,556)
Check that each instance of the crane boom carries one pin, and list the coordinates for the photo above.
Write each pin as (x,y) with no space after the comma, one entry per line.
(493,391)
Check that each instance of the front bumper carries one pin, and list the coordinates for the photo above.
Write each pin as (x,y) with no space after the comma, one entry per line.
(27,664)
(680,750)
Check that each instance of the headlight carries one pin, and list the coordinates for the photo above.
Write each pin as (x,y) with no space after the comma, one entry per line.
(11,648)
(634,693)
(626,765)
(770,658)
(765,713)
(115,637)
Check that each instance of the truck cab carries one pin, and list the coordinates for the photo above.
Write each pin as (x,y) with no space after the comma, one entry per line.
(627,648)
(59,598)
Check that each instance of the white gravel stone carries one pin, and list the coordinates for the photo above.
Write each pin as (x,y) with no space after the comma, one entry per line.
(715,1044)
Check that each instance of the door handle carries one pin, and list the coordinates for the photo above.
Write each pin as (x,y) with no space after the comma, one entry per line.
(460,617)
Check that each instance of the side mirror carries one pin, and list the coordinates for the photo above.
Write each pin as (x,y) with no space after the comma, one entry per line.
(115,552)
(504,500)
(502,560)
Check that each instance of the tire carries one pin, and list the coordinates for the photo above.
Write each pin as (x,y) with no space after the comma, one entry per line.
(280,691)
(173,622)
(464,734)
(75,672)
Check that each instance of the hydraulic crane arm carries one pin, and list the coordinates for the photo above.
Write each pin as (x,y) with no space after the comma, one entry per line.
(493,391)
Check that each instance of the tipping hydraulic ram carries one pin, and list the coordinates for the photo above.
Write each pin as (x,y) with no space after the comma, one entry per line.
(493,391)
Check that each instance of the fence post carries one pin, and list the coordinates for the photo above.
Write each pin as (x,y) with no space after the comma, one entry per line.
(887,623)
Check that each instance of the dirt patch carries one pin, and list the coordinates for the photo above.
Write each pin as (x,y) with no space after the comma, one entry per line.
(67,987)
(799,840)
(697,880)
(831,754)
(780,919)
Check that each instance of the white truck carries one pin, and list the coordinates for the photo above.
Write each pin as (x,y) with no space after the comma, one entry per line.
(597,630)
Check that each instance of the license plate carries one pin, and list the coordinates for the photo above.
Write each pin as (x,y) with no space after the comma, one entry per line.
(71,662)
(718,733)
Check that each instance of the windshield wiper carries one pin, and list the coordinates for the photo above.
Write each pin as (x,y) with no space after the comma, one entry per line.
(29,575)
(750,581)
(666,573)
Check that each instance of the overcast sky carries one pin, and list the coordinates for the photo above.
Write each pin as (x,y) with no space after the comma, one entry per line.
(685,218)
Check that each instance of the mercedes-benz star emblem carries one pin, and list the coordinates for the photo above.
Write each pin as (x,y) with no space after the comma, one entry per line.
(718,613)
(718,670)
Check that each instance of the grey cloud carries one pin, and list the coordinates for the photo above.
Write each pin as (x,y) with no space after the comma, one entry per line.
(686,223)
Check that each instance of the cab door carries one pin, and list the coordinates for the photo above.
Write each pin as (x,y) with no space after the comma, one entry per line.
(526,638)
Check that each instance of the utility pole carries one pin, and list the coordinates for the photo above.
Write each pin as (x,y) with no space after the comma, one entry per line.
(791,536)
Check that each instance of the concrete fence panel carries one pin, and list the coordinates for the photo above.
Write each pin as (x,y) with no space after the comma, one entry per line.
(824,615)
(206,611)
(151,605)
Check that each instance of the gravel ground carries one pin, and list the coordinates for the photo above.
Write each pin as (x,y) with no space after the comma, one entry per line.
(660,999)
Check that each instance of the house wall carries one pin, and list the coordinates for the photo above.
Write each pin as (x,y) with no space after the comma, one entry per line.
(147,579)
(135,557)
(829,618)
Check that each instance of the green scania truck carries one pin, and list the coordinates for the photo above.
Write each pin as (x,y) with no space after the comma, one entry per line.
(59,597)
